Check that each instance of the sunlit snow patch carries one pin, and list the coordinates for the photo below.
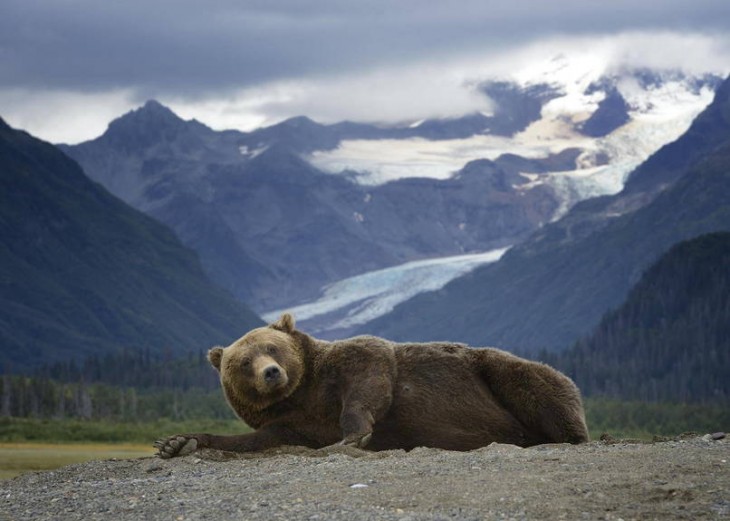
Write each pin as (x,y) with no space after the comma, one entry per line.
(659,113)
(250,154)
(362,298)
(658,117)
(380,161)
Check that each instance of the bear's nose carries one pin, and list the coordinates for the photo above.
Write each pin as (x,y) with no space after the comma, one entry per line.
(271,373)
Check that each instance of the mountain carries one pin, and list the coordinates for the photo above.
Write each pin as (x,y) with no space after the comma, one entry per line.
(516,107)
(82,273)
(278,214)
(553,288)
(611,114)
(274,230)
(670,339)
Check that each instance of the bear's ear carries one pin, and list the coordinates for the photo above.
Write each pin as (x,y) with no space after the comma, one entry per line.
(214,356)
(284,324)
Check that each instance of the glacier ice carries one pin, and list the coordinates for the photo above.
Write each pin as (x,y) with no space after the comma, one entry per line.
(660,113)
(362,298)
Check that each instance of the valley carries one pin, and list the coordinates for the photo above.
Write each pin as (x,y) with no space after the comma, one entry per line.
(280,214)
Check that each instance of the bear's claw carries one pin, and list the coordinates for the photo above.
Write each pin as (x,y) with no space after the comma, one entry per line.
(357,440)
(175,446)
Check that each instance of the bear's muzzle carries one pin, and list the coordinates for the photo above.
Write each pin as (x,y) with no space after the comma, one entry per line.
(272,374)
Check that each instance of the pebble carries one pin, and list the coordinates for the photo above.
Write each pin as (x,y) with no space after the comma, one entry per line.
(358,485)
(715,436)
(154,467)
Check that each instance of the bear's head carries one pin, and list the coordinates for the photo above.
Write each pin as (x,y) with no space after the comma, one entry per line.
(263,367)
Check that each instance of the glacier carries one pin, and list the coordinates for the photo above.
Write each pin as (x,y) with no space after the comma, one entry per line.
(359,299)
(659,113)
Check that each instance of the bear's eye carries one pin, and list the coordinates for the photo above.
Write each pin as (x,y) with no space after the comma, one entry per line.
(271,350)
(245,362)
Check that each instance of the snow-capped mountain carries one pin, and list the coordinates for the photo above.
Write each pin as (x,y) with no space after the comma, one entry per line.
(274,230)
(279,215)
(616,118)
(551,289)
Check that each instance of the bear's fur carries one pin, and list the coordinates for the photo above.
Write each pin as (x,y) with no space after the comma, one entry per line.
(370,392)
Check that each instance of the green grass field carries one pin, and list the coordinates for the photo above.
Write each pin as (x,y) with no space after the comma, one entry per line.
(32,444)
(107,431)
(19,458)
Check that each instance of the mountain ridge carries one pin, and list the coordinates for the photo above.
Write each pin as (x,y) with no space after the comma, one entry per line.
(670,339)
(273,229)
(225,193)
(82,272)
(551,289)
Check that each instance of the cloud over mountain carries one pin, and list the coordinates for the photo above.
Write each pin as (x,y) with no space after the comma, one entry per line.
(241,65)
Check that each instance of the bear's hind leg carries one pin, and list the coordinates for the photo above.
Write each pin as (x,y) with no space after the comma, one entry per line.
(544,400)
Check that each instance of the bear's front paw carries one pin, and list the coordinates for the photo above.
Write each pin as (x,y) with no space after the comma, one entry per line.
(359,440)
(178,445)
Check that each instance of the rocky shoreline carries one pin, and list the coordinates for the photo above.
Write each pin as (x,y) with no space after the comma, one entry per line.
(683,478)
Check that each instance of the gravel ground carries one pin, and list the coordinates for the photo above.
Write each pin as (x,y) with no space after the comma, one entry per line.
(676,479)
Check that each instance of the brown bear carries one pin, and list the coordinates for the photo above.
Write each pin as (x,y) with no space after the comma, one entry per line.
(372,393)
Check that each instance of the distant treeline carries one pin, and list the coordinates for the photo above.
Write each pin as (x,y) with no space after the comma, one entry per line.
(78,411)
(35,397)
(670,340)
(141,369)
(147,389)
(126,386)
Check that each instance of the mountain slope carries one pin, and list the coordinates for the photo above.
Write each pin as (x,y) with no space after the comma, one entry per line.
(552,289)
(670,339)
(274,230)
(82,272)
(278,213)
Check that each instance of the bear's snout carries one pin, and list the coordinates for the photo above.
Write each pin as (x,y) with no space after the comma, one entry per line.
(267,374)
(272,373)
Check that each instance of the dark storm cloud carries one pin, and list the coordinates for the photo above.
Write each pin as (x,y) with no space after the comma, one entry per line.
(190,46)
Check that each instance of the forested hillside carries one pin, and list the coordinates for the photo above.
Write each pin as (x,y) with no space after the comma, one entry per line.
(82,273)
(128,385)
(670,340)
(553,289)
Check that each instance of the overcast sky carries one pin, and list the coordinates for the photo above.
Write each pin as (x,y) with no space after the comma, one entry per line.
(67,67)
